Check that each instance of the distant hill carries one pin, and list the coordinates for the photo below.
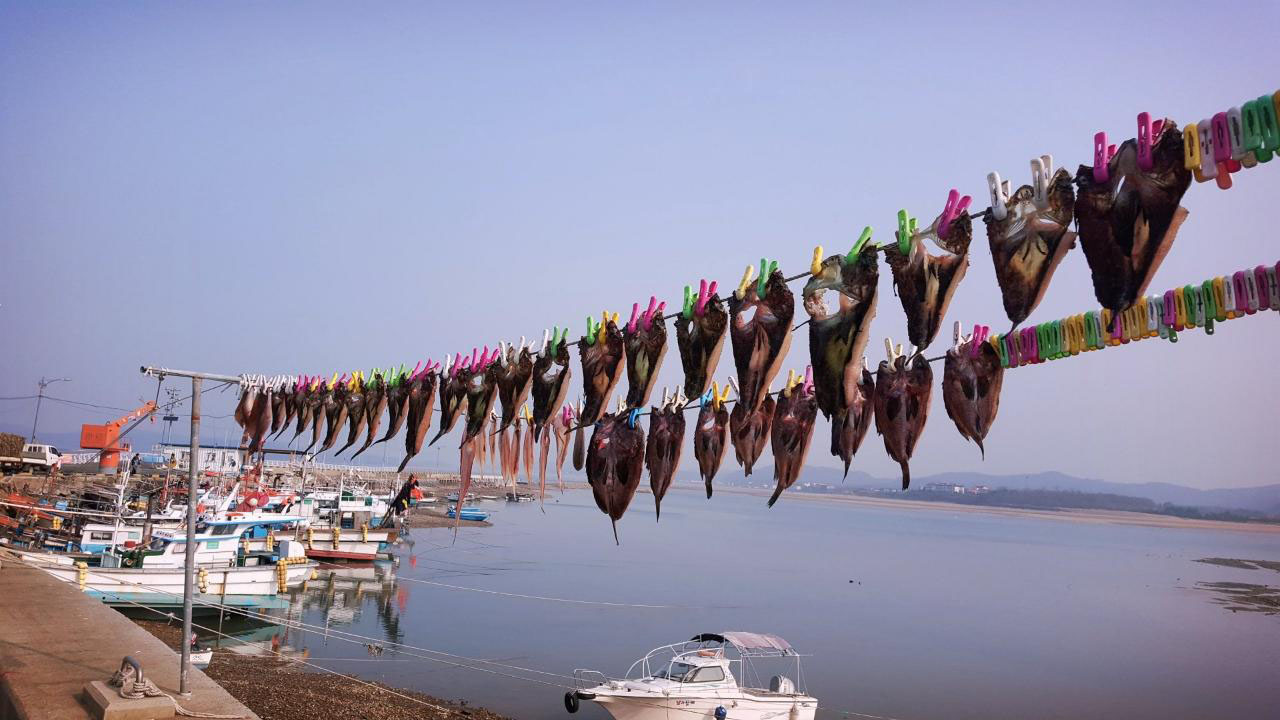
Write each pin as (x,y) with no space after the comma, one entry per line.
(1264,498)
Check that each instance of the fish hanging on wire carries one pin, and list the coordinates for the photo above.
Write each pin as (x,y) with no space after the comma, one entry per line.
(903,388)
(398,401)
(420,400)
(277,410)
(291,392)
(453,392)
(972,378)
(560,424)
(797,409)
(603,356)
(335,412)
(926,282)
(760,332)
(355,411)
(700,331)
(838,341)
(551,375)
(375,402)
(666,439)
(615,461)
(306,401)
(709,442)
(515,376)
(644,342)
(1028,235)
(481,386)
(1127,210)
(749,431)
(317,405)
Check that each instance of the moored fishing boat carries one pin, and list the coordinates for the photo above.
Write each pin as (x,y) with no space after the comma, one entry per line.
(696,679)
(468,513)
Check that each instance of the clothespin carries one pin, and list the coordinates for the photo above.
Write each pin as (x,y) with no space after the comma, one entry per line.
(906,231)
(955,206)
(635,314)
(766,270)
(655,309)
(791,381)
(1145,161)
(724,393)
(1235,129)
(1208,166)
(1192,293)
(999,195)
(815,265)
(528,416)
(1251,132)
(686,309)
(956,335)
(1002,349)
(705,292)
(590,337)
(1273,285)
(1269,129)
(1251,291)
(1191,147)
(631,417)
(731,384)
(1102,154)
(863,238)
(741,292)
(1041,170)
(1222,151)
(1241,293)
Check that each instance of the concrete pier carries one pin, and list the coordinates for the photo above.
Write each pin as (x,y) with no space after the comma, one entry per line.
(55,639)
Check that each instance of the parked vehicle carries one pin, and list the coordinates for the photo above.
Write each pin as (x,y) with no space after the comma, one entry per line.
(18,455)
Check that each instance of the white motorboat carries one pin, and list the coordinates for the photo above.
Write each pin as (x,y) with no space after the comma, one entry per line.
(699,678)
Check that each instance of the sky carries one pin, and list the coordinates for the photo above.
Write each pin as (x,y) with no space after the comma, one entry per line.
(283,188)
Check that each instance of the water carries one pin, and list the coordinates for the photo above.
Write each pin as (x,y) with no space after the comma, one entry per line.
(910,614)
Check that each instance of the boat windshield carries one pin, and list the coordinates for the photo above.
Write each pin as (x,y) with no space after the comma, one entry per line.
(677,671)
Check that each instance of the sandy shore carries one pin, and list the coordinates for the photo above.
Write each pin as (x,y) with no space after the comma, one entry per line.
(278,689)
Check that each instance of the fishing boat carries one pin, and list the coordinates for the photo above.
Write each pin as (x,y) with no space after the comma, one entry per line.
(469,513)
(518,497)
(698,678)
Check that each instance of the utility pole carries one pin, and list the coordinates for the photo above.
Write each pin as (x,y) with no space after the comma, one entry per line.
(44,383)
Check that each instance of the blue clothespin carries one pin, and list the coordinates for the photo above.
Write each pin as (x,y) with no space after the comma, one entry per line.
(631,417)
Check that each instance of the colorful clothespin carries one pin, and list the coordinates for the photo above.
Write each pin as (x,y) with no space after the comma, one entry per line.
(1145,161)
(741,292)
(1041,170)
(1208,166)
(1191,147)
(863,238)
(1240,151)
(631,417)
(1222,151)
(1251,291)
(1102,154)
(1268,125)
(815,265)
(1241,293)
(906,232)
(766,270)
(999,195)
(704,296)
(956,205)
(686,308)
(1273,285)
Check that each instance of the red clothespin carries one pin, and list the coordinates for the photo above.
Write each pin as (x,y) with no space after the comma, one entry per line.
(954,207)
(1222,151)
(980,333)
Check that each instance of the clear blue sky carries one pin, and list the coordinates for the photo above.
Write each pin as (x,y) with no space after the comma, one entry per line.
(270,188)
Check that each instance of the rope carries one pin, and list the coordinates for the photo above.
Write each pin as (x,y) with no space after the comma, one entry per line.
(135,687)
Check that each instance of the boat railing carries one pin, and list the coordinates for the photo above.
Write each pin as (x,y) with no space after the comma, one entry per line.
(584,678)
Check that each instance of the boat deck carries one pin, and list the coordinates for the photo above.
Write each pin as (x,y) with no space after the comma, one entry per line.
(55,639)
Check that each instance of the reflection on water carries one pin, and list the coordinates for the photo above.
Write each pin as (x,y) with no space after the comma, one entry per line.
(907,613)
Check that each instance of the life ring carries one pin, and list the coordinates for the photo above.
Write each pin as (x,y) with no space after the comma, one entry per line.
(571,702)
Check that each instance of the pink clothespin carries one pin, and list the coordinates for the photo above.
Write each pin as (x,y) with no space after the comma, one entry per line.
(1030,352)
(635,313)
(646,318)
(808,380)
(705,292)
(980,333)
(1145,132)
(955,205)
(1242,292)
(1222,151)
(1170,316)
(1102,154)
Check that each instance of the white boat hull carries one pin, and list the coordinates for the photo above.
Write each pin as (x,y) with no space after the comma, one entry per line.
(738,706)
(210,582)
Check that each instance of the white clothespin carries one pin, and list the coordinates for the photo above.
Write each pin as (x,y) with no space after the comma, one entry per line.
(1041,168)
(1208,167)
(999,196)
(956,332)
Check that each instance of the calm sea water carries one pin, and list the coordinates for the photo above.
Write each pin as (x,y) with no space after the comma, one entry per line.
(906,613)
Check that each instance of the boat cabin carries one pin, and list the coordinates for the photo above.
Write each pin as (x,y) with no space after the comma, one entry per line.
(217,544)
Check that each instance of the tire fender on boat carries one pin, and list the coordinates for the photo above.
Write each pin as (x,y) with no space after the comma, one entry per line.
(571,702)
(721,713)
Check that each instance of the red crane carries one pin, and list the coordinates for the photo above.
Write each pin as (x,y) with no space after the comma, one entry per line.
(106,437)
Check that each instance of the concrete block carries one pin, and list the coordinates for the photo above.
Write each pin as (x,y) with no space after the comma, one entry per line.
(104,703)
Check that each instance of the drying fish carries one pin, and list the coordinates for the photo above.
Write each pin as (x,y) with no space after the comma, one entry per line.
(515,374)
(453,392)
(615,461)
(792,429)
(1029,236)
(375,402)
(709,444)
(355,411)
(420,401)
(397,401)
(602,355)
(971,381)
(259,421)
(560,423)
(760,332)
(291,393)
(644,344)
(1127,212)
(749,431)
(277,410)
(314,408)
(335,412)
(662,454)
(849,426)
(903,388)
(324,405)
(307,400)
(926,282)
(551,375)
(700,330)
(837,341)
(482,388)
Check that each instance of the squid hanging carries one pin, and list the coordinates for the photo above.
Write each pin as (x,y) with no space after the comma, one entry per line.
(645,344)
(709,445)
(615,461)
(335,411)
(666,439)
(277,411)
(903,388)
(420,400)
(515,376)
(292,394)
(551,375)
(972,378)
(837,341)
(316,406)
(603,355)
(1028,235)
(1127,210)
(481,386)
(760,331)
(749,431)
(254,410)
(453,392)
(700,330)
(355,411)
(560,424)
(397,401)
(926,282)
(375,402)
(792,429)
(307,400)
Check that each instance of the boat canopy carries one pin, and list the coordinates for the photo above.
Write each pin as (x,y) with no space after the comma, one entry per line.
(749,643)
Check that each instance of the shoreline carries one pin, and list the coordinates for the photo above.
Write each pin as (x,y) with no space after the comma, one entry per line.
(285,689)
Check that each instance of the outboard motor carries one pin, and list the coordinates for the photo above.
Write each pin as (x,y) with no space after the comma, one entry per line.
(782,685)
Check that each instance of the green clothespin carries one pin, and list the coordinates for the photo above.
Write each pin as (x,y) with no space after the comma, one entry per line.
(1268,125)
(906,230)
(1210,306)
(689,297)
(766,269)
(592,329)
(1002,351)
(564,335)
(857,246)
(1251,131)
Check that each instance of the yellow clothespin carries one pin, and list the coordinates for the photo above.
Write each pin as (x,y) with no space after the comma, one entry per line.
(815,267)
(528,416)
(747,276)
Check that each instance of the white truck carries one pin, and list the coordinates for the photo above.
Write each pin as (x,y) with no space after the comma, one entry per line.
(17,455)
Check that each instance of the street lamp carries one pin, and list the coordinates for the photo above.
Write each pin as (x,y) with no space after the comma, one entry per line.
(44,383)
